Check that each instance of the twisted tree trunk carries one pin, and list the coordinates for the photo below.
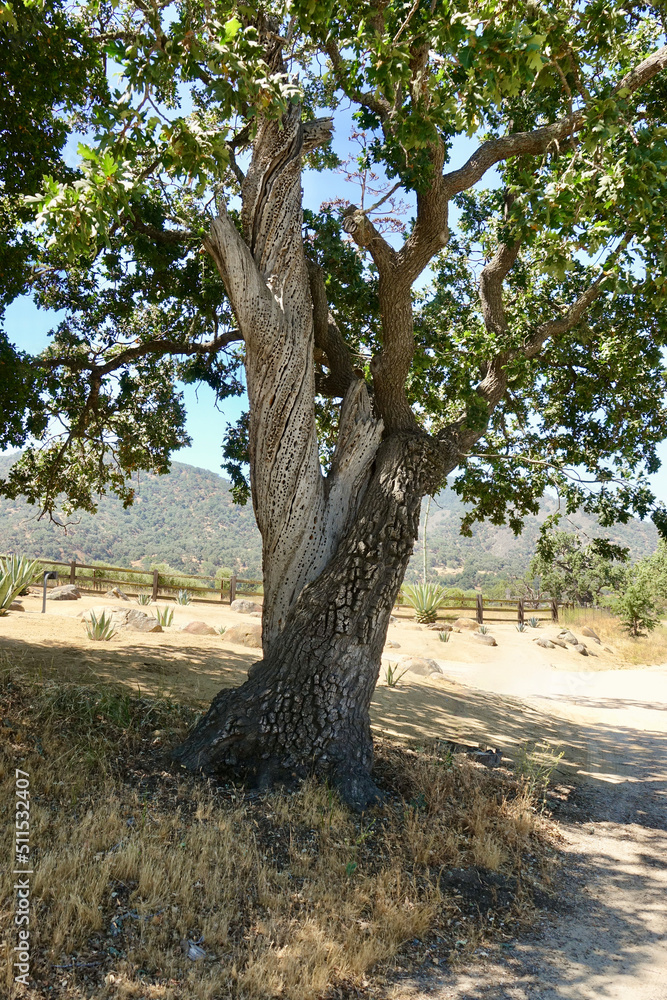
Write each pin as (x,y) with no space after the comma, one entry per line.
(335,548)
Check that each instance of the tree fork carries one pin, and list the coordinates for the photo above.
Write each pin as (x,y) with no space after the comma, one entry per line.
(305,707)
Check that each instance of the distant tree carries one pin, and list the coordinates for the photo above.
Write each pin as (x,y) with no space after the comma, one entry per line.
(637,609)
(568,570)
(181,251)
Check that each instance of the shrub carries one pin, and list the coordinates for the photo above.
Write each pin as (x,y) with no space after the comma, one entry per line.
(165,616)
(16,572)
(183,597)
(425,598)
(143,598)
(100,629)
(636,609)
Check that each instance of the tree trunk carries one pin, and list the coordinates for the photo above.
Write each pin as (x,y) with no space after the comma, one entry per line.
(305,706)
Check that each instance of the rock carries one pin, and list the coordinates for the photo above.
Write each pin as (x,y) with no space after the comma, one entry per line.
(255,614)
(467,623)
(117,592)
(568,637)
(16,606)
(440,627)
(392,620)
(591,634)
(417,665)
(146,624)
(389,644)
(487,640)
(559,642)
(121,618)
(580,648)
(245,607)
(246,635)
(608,650)
(545,643)
(199,628)
(67,593)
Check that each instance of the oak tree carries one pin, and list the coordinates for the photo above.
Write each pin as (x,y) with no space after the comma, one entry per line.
(529,355)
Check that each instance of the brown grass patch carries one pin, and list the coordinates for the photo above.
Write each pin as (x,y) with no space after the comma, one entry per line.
(649,650)
(137,865)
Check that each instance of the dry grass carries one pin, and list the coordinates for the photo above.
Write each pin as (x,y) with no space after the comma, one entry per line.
(286,895)
(647,650)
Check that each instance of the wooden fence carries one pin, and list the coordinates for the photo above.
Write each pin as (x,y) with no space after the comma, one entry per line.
(158,584)
(483,609)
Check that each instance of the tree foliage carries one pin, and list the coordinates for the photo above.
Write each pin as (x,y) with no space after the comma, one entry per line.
(536,357)
(571,571)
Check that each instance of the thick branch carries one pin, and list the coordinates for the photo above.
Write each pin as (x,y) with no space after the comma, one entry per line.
(329,340)
(373,102)
(539,141)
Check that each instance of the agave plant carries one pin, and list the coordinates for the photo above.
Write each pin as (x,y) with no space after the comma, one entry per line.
(534,622)
(444,636)
(143,597)
(483,629)
(183,597)
(521,627)
(100,629)
(425,598)
(165,616)
(16,572)
(392,675)
(221,629)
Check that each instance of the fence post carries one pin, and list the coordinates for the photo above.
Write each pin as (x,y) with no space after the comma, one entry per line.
(222,589)
(554,610)
(480,609)
(156,583)
(522,611)
(72,571)
(232,589)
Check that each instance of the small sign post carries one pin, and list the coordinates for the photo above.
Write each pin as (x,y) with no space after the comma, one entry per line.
(48,575)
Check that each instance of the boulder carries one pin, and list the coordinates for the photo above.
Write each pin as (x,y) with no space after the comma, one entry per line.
(486,640)
(580,648)
(255,614)
(66,593)
(469,623)
(130,618)
(418,665)
(440,627)
(389,644)
(245,635)
(589,633)
(568,636)
(16,606)
(608,650)
(199,628)
(117,592)
(545,643)
(245,607)
(559,642)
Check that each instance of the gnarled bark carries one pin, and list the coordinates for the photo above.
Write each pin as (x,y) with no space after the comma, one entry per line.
(305,706)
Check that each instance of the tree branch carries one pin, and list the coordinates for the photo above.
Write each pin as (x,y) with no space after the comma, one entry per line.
(539,140)
(329,340)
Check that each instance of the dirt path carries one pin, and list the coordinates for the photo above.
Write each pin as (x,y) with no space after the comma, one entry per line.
(609,940)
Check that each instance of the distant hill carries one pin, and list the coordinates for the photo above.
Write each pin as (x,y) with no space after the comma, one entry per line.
(188,520)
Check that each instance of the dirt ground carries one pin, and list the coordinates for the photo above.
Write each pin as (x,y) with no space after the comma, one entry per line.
(610,939)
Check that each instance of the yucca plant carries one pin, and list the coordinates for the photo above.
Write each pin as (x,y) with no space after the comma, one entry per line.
(483,629)
(183,597)
(425,598)
(221,629)
(521,627)
(165,616)
(534,622)
(143,598)
(16,572)
(392,675)
(100,629)
(444,636)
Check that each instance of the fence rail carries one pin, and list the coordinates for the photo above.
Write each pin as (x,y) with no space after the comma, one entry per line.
(159,584)
(486,609)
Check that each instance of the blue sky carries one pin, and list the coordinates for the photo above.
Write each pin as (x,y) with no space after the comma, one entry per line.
(28,327)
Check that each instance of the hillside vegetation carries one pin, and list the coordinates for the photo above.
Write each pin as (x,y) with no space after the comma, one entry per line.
(188,520)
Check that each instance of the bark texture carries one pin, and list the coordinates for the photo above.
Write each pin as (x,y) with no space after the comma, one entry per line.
(305,706)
